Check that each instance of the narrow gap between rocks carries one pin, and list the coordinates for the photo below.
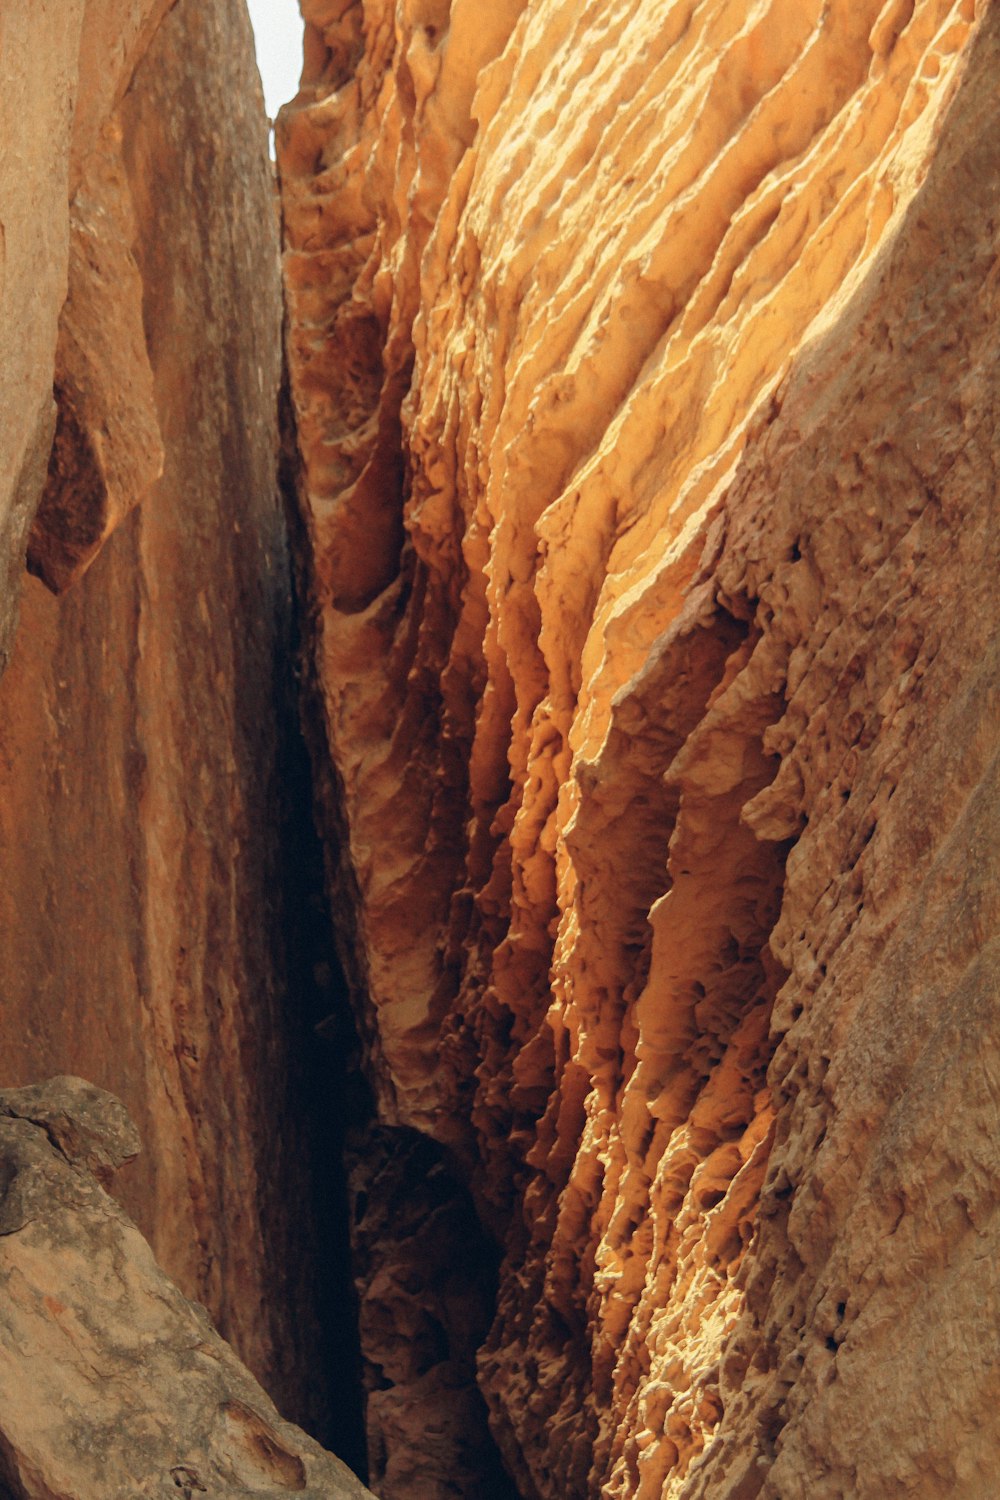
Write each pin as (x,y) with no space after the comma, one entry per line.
(325,1059)
(408,1277)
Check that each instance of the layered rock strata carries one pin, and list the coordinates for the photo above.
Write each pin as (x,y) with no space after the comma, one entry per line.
(148,751)
(642,362)
(132,1390)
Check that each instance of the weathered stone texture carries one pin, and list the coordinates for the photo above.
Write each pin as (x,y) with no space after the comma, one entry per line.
(131,1392)
(146,721)
(107,450)
(65,68)
(426,1283)
(643,362)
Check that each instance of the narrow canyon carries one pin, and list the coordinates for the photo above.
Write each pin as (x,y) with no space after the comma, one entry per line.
(500,752)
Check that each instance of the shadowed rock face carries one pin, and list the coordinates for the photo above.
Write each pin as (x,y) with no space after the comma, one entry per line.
(131,1391)
(426,1280)
(642,359)
(148,730)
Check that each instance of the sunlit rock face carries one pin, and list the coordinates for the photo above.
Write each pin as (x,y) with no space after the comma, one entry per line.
(146,716)
(642,359)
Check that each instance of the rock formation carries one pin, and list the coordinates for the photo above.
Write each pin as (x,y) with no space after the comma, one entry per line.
(132,1392)
(65,72)
(643,362)
(150,933)
(639,422)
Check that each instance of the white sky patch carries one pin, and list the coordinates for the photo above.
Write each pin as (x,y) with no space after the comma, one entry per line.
(277,27)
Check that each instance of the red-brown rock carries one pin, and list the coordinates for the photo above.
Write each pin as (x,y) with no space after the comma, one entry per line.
(146,721)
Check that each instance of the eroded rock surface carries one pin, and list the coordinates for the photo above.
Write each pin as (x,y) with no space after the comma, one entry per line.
(426,1283)
(112,1384)
(643,362)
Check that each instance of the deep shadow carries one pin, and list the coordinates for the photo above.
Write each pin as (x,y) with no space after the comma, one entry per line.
(326,1085)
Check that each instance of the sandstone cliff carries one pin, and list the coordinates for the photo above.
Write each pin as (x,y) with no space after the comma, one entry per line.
(147,827)
(642,359)
(642,362)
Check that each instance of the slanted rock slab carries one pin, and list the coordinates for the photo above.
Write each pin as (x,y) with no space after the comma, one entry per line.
(112,1384)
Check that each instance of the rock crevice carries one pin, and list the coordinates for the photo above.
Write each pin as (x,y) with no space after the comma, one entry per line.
(640,442)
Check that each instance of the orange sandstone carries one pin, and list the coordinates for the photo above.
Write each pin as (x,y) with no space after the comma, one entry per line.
(641,359)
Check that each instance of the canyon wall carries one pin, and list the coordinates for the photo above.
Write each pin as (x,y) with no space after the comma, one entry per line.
(642,362)
(149,835)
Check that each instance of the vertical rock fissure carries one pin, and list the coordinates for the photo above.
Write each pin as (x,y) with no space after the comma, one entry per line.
(333,1087)
(324,1089)
(529,868)
(423,1266)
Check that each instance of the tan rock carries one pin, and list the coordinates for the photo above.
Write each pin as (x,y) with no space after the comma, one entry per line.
(641,361)
(131,1391)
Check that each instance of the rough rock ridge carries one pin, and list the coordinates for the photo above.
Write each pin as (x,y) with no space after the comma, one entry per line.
(132,1392)
(642,360)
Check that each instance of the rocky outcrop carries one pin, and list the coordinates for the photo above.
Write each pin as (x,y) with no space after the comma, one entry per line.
(107,449)
(65,72)
(132,1392)
(642,362)
(152,801)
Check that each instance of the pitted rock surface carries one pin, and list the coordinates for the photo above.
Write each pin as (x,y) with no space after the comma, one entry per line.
(642,358)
